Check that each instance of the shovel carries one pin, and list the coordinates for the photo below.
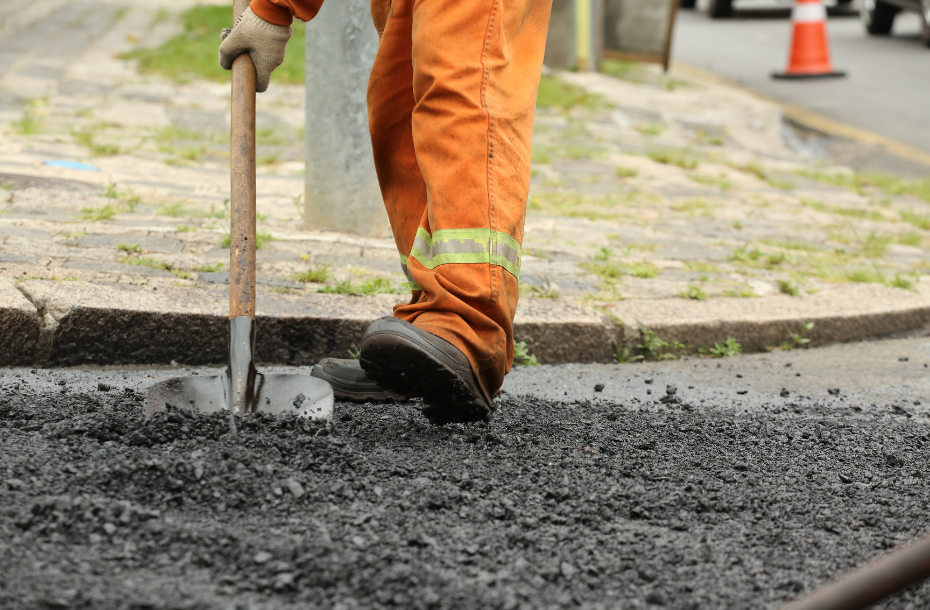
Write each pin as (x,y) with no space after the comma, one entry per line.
(242,389)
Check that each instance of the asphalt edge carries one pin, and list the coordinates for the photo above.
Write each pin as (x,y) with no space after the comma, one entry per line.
(60,325)
(814,121)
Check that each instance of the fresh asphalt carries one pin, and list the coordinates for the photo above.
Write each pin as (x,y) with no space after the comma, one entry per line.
(713,484)
(888,78)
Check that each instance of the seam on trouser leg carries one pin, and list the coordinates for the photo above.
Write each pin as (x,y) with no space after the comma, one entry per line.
(493,274)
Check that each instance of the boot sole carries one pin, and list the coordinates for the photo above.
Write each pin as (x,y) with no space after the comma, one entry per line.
(409,365)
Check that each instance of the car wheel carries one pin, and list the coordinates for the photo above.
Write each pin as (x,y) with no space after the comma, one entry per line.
(721,9)
(687,4)
(925,21)
(877,16)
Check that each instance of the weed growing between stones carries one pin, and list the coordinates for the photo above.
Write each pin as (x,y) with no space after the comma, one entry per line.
(723,349)
(378,285)
(522,355)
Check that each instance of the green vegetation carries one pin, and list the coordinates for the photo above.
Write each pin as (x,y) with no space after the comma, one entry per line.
(797,339)
(31,122)
(651,129)
(365,289)
(104,212)
(789,287)
(557,94)
(535,291)
(192,53)
(921,221)
(912,238)
(154,263)
(674,157)
(125,196)
(843,211)
(609,270)
(740,293)
(724,349)
(175,209)
(624,70)
(208,268)
(316,274)
(696,207)
(522,355)
(865,275)
(129,248)
(720,183)
(626,172)
(694,292)
(354,351)
(859,182)
(88,139)
(875,246)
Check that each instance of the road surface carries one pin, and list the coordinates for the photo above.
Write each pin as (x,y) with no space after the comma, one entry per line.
(886,90)
(711,484)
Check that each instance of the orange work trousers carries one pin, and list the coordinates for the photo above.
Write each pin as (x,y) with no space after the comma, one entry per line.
(451,102)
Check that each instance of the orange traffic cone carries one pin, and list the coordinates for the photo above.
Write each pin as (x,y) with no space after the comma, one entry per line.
(810,52)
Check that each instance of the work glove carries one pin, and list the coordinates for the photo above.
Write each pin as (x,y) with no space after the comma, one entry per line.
(264,42)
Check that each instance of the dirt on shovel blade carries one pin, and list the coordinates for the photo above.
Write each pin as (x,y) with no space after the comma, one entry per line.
(551,505)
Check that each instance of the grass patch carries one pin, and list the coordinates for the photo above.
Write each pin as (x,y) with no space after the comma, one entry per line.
(912,238)
(921,221)
(723,349)
(317,274)
(557,94)
(537,292)
(365,289)
(626,172)
(192,53)
(88,139)
(720,183)
(651,129)
(103,212)
(843,211)
(789,287)
(624,70)
(740,293)
(31,122)
(673,157)
(859,182)
(129,248)
(865,275)
(695,207)
(209,268)
(875,246)
(695,293)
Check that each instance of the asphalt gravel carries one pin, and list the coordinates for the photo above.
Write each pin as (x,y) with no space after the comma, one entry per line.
(617,499)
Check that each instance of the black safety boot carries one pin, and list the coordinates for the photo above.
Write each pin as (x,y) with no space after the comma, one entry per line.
(350,382)
(405,359)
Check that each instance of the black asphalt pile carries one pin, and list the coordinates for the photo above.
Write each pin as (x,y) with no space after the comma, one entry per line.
(551,505)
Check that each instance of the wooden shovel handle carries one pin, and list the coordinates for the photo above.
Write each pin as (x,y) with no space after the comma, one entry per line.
(242,184)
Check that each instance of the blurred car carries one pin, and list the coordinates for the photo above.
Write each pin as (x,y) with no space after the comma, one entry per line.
(721,9)
(878,15)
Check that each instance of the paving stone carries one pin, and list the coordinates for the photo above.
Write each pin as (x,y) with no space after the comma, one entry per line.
(19,326)
(117,268)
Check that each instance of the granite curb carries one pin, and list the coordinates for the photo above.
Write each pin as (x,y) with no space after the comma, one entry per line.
(48,323)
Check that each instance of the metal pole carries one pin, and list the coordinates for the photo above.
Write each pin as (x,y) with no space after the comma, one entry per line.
(341,190)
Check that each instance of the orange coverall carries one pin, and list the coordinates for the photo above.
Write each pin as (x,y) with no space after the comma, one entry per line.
(451,100)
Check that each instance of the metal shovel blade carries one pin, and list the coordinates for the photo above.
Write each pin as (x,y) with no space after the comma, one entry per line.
(241,389)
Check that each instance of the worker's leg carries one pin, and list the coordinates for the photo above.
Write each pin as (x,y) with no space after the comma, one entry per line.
(476,68)
(390,107)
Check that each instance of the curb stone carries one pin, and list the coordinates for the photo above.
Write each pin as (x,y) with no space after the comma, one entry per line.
(19,328)
(79,323)
(845,313)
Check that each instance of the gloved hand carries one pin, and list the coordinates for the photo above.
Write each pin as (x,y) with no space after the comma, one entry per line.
(263,41)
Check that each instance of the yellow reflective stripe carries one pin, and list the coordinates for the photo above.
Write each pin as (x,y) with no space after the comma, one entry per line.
(467,246)
(410,281)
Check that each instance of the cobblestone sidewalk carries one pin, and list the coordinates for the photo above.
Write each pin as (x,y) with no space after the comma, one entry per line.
(645,186)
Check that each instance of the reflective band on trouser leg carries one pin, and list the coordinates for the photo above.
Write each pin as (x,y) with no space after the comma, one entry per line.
(467,246)
(410,281)
(808,12)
